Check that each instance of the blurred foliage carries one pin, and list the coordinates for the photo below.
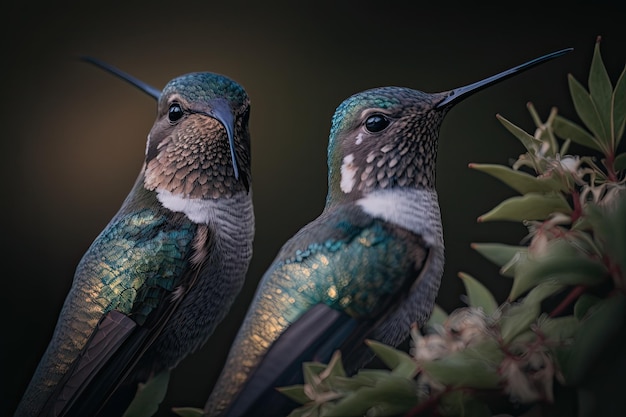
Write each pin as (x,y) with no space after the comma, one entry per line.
(149,395)
(556,345)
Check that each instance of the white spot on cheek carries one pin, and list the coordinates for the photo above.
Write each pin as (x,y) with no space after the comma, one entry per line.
(359,139)
(348,171)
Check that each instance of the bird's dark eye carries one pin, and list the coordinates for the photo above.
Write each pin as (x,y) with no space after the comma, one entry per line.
(376,123)
(175,112)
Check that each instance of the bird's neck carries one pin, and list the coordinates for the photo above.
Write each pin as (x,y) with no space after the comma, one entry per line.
(413,209)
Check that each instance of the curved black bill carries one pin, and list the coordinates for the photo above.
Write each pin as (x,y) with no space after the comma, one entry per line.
(222,112)
(460,93)
(148,89)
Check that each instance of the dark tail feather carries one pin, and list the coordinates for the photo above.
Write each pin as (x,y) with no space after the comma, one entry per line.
(111,333)
(314,337)
(114,386)
(106,397)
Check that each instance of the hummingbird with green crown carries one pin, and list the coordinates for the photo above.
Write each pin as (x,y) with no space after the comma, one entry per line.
(367,268)
(164,272)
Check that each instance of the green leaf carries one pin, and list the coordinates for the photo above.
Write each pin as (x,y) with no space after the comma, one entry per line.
(588,113)
(392,394)
(508,270)
(478,295)
(334,367)
(149,396)
(610,227)
(529,141)
(473,367)
(567,129)
(584,303)
(541,292)
(561,263)
(399,362)
(618,105)
(620,162)
(558,329)
(318,376)
(521,341)
(531,206)
(364,378)
(296,393)
(601,326)
(517,318)
(601,91)
(498,253)
(309,410)
(311,370)
(520,181)
(188,411)
(437,317)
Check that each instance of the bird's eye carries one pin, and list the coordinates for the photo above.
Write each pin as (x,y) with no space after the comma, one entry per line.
(175,112)
(376,123)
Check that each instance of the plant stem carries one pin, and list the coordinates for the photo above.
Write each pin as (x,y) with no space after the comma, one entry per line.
(578,209)
(609,163)
(571,297)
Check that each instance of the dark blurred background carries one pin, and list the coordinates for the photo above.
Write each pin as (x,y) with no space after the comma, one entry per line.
(73,137)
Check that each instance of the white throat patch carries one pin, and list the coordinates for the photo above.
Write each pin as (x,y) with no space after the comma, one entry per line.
(203,211)
(413,209)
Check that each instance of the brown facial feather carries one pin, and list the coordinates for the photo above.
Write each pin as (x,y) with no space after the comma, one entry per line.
(193,161)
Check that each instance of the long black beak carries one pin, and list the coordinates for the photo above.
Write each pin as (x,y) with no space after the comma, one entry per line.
(458,94)
(221,111)
(148,89)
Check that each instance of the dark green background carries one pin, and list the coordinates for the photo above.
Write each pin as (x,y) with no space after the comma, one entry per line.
(73,136)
